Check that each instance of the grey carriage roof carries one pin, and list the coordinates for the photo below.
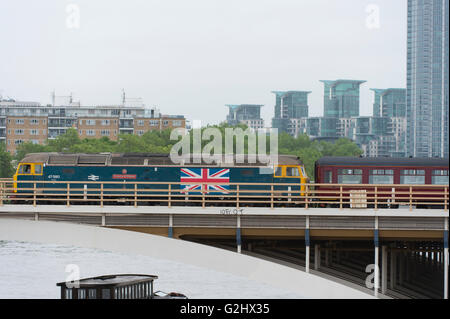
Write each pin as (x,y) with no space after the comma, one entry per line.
(139,159)
(383,161)
(113,280)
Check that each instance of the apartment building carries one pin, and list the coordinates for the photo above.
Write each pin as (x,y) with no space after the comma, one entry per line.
(25,128)
(31,122)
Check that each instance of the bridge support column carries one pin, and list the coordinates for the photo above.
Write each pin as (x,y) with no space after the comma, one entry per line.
(376,262)
(446,259)
(316,257)
(170,230)
(393,269)
(307,244)
(103,220)
(408,266)
(238,235)
(401,268)
(36,216)
(384,257)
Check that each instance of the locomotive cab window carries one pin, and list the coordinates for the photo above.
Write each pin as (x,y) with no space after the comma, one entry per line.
(303,171)
(292,172)
(37,169)
(25,169)
(278,171)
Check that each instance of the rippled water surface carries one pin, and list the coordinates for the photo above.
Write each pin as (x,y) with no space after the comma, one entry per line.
(31,270)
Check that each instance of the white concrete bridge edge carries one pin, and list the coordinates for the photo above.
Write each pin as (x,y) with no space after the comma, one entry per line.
(276,275)
(183,210)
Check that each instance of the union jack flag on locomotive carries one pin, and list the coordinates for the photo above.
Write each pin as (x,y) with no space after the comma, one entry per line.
(196,176)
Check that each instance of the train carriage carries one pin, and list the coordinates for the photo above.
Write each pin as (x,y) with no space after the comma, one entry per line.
(398,174)
(117,174)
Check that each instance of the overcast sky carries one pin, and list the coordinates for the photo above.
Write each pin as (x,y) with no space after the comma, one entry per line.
(193,57)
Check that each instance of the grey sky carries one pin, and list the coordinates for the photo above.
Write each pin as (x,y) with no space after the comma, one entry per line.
(193,57)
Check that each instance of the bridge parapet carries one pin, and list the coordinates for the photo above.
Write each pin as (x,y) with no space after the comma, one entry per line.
(357,196)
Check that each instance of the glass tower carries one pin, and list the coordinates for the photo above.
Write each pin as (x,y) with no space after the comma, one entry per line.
(249,114)
(427,101)
(389,102)
(289,106)
(341,98)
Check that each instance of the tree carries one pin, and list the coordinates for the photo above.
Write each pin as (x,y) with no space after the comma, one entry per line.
(28,147)
(65,141)
(6,168)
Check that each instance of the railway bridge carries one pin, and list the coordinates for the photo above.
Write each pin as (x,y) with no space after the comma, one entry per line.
(359,237)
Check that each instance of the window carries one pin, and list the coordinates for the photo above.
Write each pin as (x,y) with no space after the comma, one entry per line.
(20,121)
(19,132)
(34,132)
(380,176)
(303,171)
(34,122)
(68,293)
(141,123)
(154,122)
(328,177)
(411,176)
(90,132)
(92,293)
(106,294)
(105,122)
(292,172)
(439,177)
(25,169)
(90,122)
(38,169)
(105,132)
(349,176)
(81,293)
(176,123)
(279,171)
(165,123)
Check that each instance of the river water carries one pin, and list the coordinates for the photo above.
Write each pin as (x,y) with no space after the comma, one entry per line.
(31,270)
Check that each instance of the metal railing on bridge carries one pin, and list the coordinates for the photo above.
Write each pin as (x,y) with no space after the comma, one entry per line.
(236,194)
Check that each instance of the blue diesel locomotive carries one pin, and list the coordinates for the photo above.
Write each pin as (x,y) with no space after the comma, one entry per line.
(46,173)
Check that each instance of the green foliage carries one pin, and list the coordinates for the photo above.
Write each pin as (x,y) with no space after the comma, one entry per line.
(27,148)
(64,142)
(6,168)
(159,142)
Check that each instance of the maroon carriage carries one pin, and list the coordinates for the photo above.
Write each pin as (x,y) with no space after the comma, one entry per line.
(382,181)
